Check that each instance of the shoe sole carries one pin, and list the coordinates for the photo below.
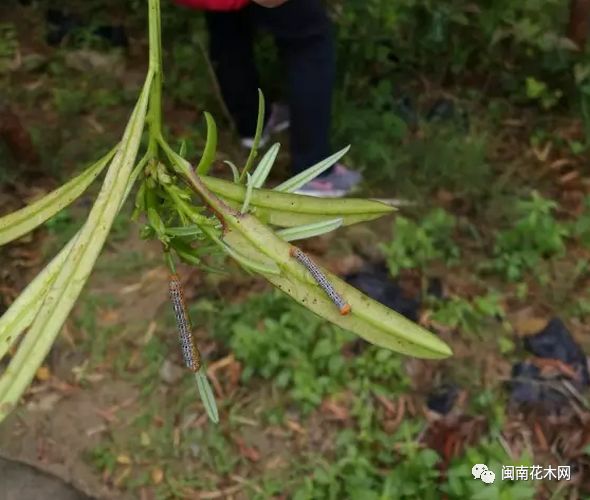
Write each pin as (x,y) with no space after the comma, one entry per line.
(281,127)
(277,129)
(249,143)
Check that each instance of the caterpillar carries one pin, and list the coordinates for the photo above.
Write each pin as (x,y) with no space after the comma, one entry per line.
(190,352)
(321,280)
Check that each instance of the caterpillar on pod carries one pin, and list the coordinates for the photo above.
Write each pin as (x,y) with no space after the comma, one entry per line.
(321,280)
(190,352)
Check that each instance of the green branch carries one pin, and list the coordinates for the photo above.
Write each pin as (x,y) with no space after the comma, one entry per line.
(154,116)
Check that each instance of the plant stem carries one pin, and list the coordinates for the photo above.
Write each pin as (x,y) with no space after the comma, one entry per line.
(155,105)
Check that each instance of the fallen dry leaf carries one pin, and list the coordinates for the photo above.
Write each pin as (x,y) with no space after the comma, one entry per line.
(123,459)
(274,463)
(542,154)
(249,452)
(561,162)
(569,178)
(109,316)
(334,411)
(118,482)
(144,439)
(550,367)
(157,475)
(527,322)
(43,373)
(387,404)
(45,403)
(295,427)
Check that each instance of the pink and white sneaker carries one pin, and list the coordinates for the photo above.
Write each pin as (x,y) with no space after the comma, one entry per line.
(338,183)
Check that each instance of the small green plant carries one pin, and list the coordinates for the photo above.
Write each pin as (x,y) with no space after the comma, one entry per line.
(539,91)
(95,339)
(289,346)
(445,156)
(468,316)
(416,244)
(460,482)
(103,457)
(534,236)
(363,471)
(300,354)
(69,101)
(8,46)
(60,223)
(580,227)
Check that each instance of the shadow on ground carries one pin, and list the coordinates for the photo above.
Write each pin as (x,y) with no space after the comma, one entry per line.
(21,481)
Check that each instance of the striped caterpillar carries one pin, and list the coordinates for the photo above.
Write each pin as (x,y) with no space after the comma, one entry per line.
(321,280)
(190,352)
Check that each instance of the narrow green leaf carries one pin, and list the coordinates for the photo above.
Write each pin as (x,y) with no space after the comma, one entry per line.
(187,257)
(192,230)
(248,262)
(234,170)
(311,173)
(210,146)
(257,136)
(156,221)
(140,205)
(207,396)
(309,230)
(169,262)
(23,221)
(263,169)
(249,186)
(182,150)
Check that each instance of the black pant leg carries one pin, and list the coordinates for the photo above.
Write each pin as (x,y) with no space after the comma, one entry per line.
(310,71)
(304,36)
(232,55)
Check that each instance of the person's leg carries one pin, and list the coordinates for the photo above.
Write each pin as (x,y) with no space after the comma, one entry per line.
(310,72)
(304,36)
(232,55)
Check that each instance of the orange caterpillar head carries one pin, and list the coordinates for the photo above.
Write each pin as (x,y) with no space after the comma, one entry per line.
(345,309)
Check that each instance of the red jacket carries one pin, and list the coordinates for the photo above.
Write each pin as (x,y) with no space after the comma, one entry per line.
(221,5)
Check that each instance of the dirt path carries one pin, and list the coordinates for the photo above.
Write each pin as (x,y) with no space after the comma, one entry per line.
(24,482)
(53,435)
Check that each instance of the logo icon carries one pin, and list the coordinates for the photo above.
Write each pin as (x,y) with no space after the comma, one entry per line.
(481,471)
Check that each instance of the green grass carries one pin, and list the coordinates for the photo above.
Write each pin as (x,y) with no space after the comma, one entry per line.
(417,244)
(534,235)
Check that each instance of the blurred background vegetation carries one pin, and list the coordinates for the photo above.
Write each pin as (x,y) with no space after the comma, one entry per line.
(478,113)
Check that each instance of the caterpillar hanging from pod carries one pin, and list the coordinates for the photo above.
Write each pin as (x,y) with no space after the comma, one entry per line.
(190,351)
(321,280)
